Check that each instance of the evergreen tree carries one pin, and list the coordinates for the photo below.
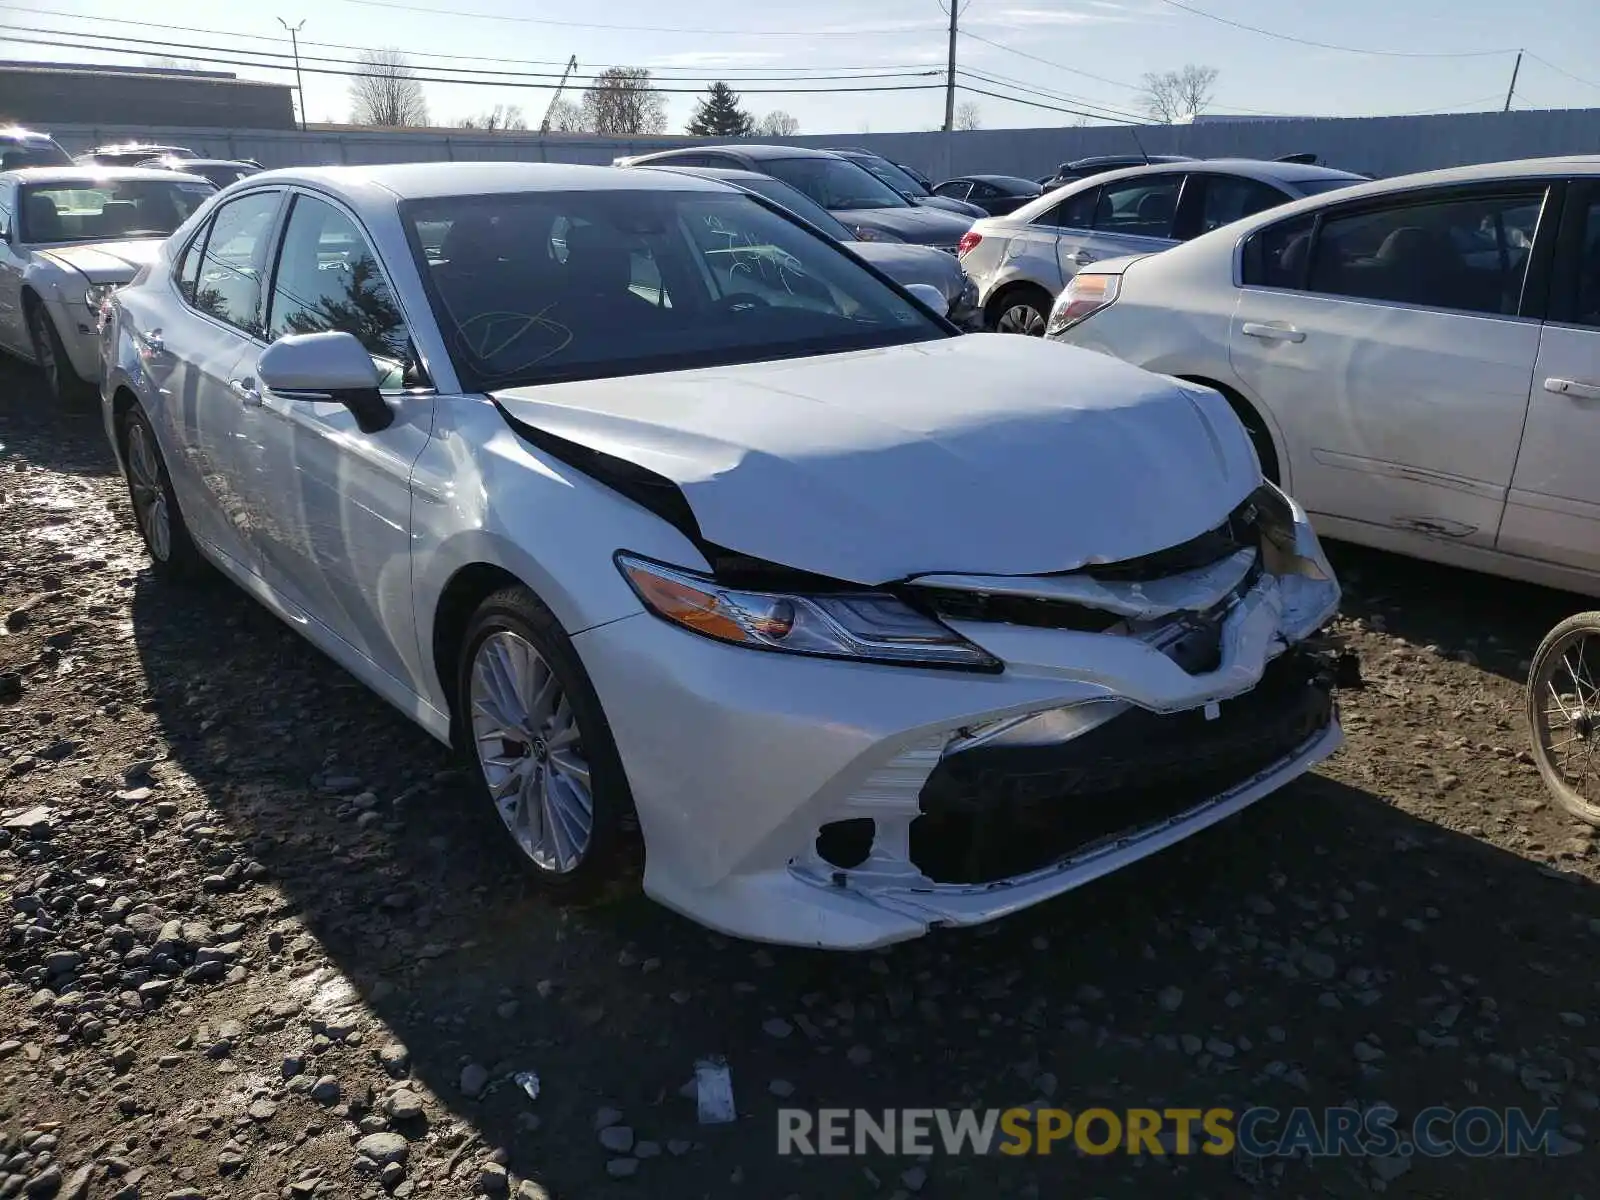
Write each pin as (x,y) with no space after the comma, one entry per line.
(719,115)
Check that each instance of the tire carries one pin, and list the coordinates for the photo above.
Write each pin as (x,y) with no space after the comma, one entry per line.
(173,554)
(513,648)
(1262,441)
(1563,698)
(65,385)
(1021,310)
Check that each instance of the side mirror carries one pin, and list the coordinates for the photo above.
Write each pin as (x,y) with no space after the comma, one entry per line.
(327,366)
(930,297)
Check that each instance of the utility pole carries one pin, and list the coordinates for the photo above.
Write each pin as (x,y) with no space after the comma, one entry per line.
(299,84)
(950,72)
(572,65)
(1512,90)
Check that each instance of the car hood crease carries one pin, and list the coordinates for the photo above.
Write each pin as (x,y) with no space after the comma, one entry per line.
(979,454)
(111,262)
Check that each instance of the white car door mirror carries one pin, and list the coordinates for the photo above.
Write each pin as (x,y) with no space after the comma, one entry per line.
(930,296)
(326,366)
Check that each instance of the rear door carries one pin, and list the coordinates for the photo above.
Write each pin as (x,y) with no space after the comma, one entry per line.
(1212,200)
(1553,511)
(1388,341)
(1130,216)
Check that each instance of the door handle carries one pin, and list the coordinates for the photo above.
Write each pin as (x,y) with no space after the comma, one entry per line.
(245,389)
(1082,257)
(1272,333)
(1575,388)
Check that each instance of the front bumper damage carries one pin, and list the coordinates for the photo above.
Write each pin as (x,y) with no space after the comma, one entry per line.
(839,805)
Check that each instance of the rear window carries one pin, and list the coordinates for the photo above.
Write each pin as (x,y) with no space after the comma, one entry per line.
(106,210)
(14,156)
(835,183)
(545,286)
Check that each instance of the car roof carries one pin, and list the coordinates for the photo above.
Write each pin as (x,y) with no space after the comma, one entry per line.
(419,181)
(204,162)
(100,175)
(1001,180)
(1096,160)
(130,147)
(731,174)
(759,152)
(16,133)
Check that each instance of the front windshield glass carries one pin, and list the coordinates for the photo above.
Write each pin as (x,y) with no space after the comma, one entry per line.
(105,210)
(835,183)
(800,205)
(539,287)
(892,175)
(1315,187)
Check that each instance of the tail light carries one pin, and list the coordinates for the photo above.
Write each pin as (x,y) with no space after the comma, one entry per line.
(1086,295)
(969,239)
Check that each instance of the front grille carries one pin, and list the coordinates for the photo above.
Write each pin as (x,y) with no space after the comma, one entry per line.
(1015,610)
(1239,531)
(997,811)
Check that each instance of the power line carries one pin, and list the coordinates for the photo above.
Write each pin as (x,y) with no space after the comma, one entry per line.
(476,79)
(1563,71)
(1132,87)
(1077,112)
(142,45)
(1032,89)
(1289,37)
(482,16)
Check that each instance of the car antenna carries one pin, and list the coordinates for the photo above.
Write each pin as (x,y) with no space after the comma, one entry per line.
(1134,134)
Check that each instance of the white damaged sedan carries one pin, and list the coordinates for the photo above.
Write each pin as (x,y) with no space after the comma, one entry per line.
(690,530)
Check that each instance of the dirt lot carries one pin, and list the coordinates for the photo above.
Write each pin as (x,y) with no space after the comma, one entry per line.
(259,921)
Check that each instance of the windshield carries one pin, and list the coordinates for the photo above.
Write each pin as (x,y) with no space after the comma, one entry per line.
(800,205)
(17,155)
(104,210)
(539,287)
(892,175)
(835,183)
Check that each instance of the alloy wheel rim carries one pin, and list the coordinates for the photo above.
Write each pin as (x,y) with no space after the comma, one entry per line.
(528,744)
(1568,725)
(149,496)
(1023,319)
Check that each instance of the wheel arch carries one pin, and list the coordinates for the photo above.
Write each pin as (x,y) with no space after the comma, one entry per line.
(1006,291)
(1263,430)
(463,592)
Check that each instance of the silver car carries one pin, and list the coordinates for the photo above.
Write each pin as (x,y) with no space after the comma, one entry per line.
(69,236)
(1022,260)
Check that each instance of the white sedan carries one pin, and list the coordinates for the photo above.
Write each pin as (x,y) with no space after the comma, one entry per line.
(686,527)
(69,236)
(1022,260)
(1418,359)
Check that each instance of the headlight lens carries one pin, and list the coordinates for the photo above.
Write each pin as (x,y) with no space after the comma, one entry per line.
(1290,546)
(868,234)
(1086,295)
(98,294)
(867,627)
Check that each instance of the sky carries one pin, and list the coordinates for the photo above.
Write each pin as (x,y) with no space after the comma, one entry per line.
(1086,55)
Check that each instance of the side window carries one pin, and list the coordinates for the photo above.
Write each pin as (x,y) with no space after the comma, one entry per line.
(1230,198)
(956,189)
(234,262)
(1468,253)
(188,272)
(1075,212)
(328,279)
(984,191)
(1142,207)
(1276,256)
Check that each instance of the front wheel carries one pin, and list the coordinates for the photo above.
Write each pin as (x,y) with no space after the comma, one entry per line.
(155,506)
(1564,714)
(537,741)
(66,386)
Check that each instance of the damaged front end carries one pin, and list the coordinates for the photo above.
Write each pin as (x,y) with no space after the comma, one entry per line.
(1200,690)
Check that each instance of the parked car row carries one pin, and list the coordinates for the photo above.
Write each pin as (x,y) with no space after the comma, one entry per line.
(694,532)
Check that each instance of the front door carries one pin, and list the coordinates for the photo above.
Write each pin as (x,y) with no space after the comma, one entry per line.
(1395,360)
(332,504)
(1553,512)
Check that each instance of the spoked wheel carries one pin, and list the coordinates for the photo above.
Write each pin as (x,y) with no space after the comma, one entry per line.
(172,551)
(1564,714)
(535,736)
(64,383)
(1021,316)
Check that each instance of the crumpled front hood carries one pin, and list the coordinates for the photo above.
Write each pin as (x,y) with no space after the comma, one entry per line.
(977,454)
(106,262)
(918,224)
(914,264)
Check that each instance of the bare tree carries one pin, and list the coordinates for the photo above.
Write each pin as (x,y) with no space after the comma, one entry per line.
(777,123)
(386,91)
(1172,96)
(501,116)
(622,101)
(969,115)
(567,117)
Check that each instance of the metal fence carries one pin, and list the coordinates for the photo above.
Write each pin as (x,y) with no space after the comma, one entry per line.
(1374,145)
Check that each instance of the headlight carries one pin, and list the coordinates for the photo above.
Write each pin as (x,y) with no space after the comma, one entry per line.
(1086,295)
(868,234)
(866,627)
(98,294)
(1290,545)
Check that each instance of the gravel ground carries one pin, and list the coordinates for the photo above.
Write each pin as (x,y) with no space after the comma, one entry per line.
(261,942)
